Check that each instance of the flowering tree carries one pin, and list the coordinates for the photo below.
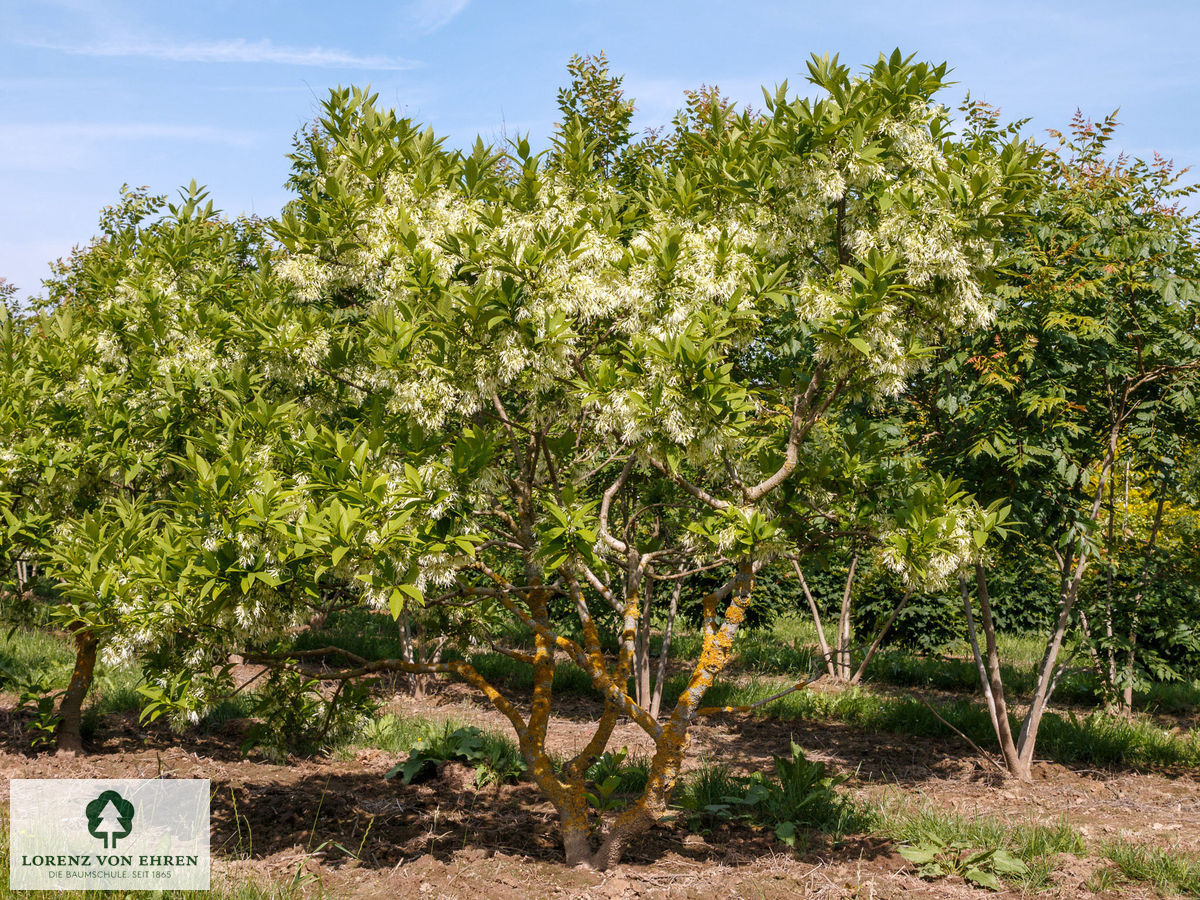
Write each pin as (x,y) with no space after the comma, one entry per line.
(568,367)
(146,343)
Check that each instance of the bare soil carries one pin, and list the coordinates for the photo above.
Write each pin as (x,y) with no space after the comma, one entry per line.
(335,825)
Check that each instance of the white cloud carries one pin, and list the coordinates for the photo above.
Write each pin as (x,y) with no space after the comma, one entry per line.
(430,15)
(233,50)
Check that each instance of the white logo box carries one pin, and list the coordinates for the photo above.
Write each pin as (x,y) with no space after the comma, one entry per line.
(120,833)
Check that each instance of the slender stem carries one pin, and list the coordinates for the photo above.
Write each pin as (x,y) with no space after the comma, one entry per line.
(875,644)
(843,648)
(974,638)
(816,614)
(1008,747)
(664,653)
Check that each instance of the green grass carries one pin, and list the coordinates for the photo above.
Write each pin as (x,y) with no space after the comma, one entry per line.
(113,691)
(1170,872)
(1169,697)
(29,656)
(428,743)
(504,671)
(708,786)
(1033,844)
(26,654)
(238,706)
(40,662)
(396,734)
(790,648)
(371,635)
(399,734)
(1096,739)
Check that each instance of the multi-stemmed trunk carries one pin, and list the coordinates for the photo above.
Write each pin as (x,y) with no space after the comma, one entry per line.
(416,647)
(650,676)
(586,842)
(1018,752)
(838,659)
(1115,664)
(660,681)
(567,789)
(671,739)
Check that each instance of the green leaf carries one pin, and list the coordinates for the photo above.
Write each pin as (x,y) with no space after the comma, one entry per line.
(983,878)
(918,855)
(786,832)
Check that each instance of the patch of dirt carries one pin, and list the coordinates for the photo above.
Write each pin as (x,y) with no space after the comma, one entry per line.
(1154,808)
(336,825)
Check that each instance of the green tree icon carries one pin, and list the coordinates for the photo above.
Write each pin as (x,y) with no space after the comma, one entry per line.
(110,816)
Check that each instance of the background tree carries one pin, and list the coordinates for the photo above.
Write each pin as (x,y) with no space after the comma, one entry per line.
(142,343)
(1093,349)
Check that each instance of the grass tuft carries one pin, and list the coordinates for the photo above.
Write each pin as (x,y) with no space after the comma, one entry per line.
(1035,845)
(1170,872)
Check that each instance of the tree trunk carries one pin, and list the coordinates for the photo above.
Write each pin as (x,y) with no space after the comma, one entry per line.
(670,745)
(70,708)
(641,656)
(410,653)
(1045,680)
(1143,581)
(1008,747)
(663,654)
(973,636)
(1127,689)
(623,831)
(1109,598)
(826,653)
(1068,594)
(573,814)
(843,648)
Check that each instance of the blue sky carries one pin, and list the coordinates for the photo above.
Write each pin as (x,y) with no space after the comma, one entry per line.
(96,93)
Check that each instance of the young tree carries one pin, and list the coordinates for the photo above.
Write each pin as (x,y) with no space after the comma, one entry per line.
(879,509)
(595,106)
(1093,349)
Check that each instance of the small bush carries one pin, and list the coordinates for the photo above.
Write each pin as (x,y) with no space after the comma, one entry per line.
(494,758)
(296,717)
(801,796)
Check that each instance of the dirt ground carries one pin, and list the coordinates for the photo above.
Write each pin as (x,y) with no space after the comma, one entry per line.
(338,828)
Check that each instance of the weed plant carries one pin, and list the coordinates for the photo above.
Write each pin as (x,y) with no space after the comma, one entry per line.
(494,757)
(800,796)
(931,828)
